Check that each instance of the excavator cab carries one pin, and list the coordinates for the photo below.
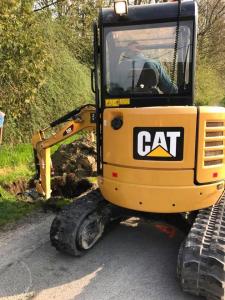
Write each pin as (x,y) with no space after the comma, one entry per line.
(158,154)
(148,39)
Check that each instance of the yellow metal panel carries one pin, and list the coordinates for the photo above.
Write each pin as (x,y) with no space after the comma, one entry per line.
(44,183)
(149,176)
(211,137)
(167,199)
(164,186)
(118,144)
(36,138)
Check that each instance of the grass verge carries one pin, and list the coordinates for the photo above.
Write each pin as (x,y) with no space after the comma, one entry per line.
(15,163)
(11,156)
(12,210)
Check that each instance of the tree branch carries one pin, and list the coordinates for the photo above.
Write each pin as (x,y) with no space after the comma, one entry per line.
(46,6)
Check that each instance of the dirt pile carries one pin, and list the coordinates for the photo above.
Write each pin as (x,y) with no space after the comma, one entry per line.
(72,164)
(69,186)
(78,157)
(17,187)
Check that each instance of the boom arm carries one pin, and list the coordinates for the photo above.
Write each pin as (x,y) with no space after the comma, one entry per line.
(83,118)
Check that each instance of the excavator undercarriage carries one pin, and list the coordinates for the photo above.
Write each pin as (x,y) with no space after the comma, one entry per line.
(201,258)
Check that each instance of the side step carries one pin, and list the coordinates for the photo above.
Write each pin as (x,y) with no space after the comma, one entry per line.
(201,259)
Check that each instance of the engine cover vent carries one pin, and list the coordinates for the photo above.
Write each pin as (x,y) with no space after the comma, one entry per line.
(214,143)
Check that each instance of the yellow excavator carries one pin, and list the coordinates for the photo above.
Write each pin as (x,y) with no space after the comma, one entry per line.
(158,154)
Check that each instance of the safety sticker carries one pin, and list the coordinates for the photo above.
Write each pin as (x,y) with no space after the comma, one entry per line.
(117,102)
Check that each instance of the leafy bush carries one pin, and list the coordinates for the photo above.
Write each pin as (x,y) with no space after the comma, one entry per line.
(67,87)
(210,88)
(64,85)
(24,59)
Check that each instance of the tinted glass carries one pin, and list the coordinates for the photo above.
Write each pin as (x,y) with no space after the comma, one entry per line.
(140,59)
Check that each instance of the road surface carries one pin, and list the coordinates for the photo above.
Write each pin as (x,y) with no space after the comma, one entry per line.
(133,261)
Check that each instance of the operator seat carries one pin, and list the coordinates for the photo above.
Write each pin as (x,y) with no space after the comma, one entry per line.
(148,80)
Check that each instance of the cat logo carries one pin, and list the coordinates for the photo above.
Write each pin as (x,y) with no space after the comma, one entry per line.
(68,130)
(154,143)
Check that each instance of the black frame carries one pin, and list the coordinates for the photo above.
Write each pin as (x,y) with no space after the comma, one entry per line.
(142,100)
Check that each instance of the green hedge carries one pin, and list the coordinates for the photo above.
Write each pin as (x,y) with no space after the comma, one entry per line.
(67,86)
(210,89)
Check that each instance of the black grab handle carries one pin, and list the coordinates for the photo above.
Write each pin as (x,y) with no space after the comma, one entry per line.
(93,80)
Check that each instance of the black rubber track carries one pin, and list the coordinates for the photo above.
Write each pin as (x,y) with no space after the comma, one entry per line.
(65,226)
(201,259)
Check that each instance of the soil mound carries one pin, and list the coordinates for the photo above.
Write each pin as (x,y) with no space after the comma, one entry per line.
(17,187)
(72,164)
(78,157)
(69,186)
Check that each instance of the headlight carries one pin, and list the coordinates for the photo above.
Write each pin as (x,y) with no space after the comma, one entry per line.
(121,7)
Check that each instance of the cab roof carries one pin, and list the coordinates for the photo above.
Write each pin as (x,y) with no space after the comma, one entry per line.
(148,13)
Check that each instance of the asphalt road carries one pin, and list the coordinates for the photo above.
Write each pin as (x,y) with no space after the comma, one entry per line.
(134,261)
